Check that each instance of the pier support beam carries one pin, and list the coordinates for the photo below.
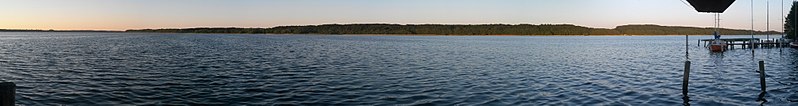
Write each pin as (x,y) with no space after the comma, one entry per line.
(686,79)
(7,92)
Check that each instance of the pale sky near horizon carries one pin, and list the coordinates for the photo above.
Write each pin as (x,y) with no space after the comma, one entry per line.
(139,14)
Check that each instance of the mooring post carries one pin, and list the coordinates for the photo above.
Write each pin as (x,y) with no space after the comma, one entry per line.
(762,75)
(746,44)
(7,91)
(730,45)
(686,77)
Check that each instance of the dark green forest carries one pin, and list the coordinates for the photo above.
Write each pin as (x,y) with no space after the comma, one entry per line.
(486,29)
(789,24)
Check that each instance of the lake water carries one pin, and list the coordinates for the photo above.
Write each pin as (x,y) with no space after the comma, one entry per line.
(56,68)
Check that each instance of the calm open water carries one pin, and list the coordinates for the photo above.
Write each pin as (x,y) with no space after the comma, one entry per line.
(57,68)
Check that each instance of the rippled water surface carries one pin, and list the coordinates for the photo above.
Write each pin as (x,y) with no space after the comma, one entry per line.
(143,68)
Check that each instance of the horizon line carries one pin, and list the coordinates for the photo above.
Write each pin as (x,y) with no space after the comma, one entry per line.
(98,30)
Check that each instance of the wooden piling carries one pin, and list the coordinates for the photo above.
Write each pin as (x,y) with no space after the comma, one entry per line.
(686,79)
(762,75)
(7,92)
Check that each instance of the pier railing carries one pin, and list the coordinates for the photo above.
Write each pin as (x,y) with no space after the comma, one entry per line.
(747,42)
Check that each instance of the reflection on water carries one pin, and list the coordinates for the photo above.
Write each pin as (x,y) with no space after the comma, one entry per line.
(761,98)
(193,69)
(686,100)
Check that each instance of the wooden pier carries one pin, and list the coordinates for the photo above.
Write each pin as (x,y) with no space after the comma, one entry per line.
(747,42)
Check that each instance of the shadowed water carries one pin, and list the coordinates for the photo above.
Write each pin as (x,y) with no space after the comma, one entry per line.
(148,68)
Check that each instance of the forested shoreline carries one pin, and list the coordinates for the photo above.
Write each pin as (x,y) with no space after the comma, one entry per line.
(485,29)
(441,29)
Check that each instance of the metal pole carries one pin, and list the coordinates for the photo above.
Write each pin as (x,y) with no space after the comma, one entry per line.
(753,55)
(686,47)
(752,27)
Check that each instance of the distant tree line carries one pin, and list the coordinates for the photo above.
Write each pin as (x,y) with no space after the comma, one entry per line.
(485,29)
(207,30)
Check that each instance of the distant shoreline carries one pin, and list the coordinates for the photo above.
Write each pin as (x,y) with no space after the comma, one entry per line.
(444,30)
(464,30)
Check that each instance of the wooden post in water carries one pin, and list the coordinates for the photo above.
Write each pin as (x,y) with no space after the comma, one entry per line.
(762,75)
(746,44)
(7,91)
(686,77)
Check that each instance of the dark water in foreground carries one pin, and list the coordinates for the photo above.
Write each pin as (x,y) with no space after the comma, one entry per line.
(140,69)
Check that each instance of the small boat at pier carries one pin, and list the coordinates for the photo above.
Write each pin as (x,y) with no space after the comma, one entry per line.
(794,44)
(717,46)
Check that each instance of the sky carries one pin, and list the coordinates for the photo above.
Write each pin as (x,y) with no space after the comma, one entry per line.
(140,14)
